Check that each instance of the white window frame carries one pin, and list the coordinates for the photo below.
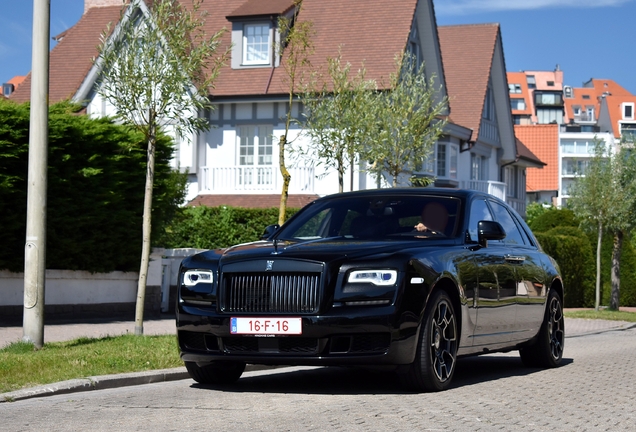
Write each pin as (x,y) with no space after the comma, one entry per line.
(626,105)
(247,44)
(478,167)
(449,164)
(518,103)
(257,141)
(254,154)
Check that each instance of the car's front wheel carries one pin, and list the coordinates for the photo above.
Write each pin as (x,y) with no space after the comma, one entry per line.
(547,350)
(436,356)
(219,372)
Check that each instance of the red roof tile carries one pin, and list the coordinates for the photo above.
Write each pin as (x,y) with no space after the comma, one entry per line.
(467,53)
(606,85)
(519,78)
(543,141)
(615,110)
(524,153)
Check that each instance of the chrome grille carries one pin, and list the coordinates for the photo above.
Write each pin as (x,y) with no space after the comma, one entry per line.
(272,293)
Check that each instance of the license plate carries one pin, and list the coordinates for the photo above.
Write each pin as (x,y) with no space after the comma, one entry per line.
(266,326)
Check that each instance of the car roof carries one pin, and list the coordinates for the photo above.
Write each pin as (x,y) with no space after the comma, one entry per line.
(446,192)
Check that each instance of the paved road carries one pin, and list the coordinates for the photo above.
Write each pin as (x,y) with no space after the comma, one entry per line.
(592,391)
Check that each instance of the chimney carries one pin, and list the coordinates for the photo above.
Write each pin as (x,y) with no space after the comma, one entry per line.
(88,4)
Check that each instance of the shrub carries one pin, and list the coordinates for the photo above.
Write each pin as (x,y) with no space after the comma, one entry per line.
(553,218)
(571,249)
(218,227)
(96,178)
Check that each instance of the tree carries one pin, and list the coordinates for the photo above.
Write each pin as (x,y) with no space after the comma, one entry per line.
(339,118)
(408,122)
(297,47)
(157,68)
(606,197)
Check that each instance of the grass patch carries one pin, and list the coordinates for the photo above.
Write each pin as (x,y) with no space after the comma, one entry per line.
(604,314)
(22,366)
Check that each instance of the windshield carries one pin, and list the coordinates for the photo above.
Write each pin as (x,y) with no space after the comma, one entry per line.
(376,218)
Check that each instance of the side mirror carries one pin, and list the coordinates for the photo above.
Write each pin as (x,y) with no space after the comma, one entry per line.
(269,231)
(489,230)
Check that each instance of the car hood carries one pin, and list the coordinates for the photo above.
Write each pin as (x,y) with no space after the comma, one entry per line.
(324,250)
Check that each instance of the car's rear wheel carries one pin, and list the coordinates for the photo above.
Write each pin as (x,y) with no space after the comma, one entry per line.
(547,350)
(436,356)
(219,372)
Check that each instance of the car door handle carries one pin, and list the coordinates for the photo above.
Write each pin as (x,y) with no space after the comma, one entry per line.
(515,259)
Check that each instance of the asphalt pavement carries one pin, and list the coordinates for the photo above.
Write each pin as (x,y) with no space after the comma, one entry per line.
(57,332)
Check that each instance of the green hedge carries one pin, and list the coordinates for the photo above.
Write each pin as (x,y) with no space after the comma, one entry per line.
(218,227)
(552,227)
(96,179)
(552,218)
(571,249)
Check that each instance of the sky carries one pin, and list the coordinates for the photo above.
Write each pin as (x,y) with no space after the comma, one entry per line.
(585,38)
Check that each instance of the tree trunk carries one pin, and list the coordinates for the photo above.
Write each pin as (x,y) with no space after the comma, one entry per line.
(597,301)
(286,179)
(146,230)
(616,270)
(340,175)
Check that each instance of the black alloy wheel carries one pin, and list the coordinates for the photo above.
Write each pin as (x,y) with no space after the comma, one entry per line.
(547,350)
(436,357)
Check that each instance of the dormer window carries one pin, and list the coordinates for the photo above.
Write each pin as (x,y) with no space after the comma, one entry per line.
(256,44)
(255,32)
(628,111)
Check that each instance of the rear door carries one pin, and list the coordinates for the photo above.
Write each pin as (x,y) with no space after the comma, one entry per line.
(525,259)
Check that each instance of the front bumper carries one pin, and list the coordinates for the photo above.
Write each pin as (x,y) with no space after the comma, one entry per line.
(345,336)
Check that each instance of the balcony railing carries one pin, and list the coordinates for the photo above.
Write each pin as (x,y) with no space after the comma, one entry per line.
(254,179)
(498,190)
(493,188)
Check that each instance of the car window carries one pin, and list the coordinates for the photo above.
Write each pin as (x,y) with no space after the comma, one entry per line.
(513,235)
(478,211)
(377,217)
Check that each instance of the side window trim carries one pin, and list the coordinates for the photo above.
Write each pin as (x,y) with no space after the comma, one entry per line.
(492,203)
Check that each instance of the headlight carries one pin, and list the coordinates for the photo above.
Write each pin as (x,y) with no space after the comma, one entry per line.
(376,277)
(193,277)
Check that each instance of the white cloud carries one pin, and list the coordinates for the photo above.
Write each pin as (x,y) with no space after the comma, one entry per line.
(461,7)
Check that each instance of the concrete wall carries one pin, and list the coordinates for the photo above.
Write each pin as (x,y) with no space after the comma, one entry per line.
(79,294)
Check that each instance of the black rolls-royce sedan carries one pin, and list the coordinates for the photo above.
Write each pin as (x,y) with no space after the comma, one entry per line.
(412,278)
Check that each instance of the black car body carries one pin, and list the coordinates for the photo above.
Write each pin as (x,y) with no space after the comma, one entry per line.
(352,280)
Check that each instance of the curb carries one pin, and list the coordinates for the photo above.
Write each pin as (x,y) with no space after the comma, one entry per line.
(621,325)
(97,383)
(107,382)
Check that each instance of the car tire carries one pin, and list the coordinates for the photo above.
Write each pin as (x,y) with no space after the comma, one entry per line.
(436,357)
(220,372)
(547,350)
